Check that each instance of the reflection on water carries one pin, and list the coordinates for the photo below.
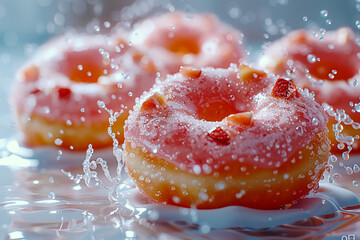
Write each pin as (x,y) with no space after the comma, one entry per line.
(46,203)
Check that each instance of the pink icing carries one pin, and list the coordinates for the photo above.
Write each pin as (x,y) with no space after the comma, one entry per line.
(116,79)
(338,50)
(176,133)
(216,44)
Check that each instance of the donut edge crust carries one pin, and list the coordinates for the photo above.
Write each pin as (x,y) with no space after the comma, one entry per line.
(35,132)
(257,188)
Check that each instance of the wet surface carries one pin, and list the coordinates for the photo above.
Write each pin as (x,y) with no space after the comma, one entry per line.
(46,202)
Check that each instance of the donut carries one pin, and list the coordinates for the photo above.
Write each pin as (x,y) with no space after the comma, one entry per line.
(62,95)
(209,138)
(328,66)
(182,39)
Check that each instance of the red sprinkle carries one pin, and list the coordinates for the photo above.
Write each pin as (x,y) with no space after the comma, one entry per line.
(64,93)
(220,135)
(35,91)
(284,89)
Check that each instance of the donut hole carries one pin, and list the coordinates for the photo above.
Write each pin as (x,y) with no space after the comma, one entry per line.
(183,46)
(85,66)
(334,67)
(214,110)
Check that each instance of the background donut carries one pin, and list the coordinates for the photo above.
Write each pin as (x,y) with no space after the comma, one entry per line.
(182,39)
(59,96)
(328,65)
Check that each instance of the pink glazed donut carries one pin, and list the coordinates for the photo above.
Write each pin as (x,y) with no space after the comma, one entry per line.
(181,39)
(326,66)
(217,137)
(59,95)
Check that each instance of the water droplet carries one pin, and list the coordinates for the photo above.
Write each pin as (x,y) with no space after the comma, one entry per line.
(176,199)
(220,186)
(203,196)
(58,142)
(341,146)
(337,127)
(59,19)
(356,168)
(349,170)
(355,83)
(305,18)
(355,183)
(299,130)
(107,24)
(51,180)
(234,12)
(101,104)
(357,107)
(332,158)
(311,58)
(60,152)
(197,169)
(205,229)
(324,13)
(336,176)
(97,28)
(328,168)
(153,215)
(357,24)
(315,121)
(51,195)
(328,22)
(130,234)
(46,110)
